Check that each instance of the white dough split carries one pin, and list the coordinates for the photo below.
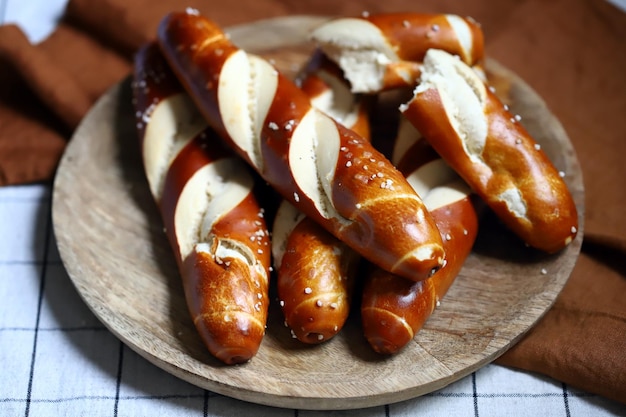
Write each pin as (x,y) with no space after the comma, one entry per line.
(360,49)
(246,90)
(463,94)
(212,191)
(174,122)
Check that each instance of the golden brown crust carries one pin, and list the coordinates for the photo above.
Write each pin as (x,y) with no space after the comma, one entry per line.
(315,282)
(200,49)
(228,302)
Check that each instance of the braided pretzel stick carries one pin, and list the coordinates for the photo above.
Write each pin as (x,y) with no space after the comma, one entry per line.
(327,171)
(212,219)
(485,144)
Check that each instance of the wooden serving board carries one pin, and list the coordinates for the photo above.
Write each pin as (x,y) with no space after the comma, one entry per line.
(112,243)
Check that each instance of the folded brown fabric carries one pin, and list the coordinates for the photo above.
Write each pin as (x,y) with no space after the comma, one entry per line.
(31,136)
(570,54)
(46,90)
(581,340)
(570,51)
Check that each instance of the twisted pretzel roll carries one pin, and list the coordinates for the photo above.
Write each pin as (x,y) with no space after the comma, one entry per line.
(211,217)
(394,309)
(327,171)
(480,139)
(382,51)
(315,276)
(315,270)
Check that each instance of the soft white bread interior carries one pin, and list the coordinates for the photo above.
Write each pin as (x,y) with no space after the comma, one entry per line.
(463,94)
(359,48)
(173,122)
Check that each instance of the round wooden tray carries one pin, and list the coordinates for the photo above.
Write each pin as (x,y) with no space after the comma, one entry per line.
(111,241)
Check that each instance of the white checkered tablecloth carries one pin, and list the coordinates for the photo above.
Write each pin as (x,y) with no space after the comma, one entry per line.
(57,359)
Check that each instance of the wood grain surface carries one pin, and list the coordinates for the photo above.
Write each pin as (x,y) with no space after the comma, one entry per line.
(111,240)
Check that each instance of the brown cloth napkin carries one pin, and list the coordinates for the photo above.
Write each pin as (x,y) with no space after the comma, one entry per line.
(572,52)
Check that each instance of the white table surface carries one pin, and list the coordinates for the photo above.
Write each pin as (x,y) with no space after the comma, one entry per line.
(57,359)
